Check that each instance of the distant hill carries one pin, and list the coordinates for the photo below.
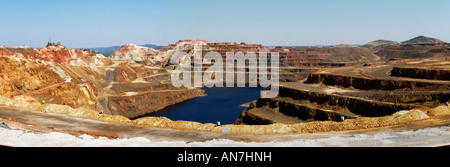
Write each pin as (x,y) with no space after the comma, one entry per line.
(108,50)
(423,40)
(378,44)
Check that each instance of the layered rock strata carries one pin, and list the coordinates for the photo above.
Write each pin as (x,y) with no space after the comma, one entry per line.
(334,94)
(423,73)
(134,90)
(80,78)
(323,56)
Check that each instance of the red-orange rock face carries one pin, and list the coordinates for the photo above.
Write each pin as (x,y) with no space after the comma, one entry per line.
(78,78)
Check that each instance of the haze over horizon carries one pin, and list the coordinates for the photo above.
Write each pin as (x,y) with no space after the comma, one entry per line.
(101,23)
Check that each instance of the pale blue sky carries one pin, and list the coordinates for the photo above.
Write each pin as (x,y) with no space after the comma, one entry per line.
(96,23)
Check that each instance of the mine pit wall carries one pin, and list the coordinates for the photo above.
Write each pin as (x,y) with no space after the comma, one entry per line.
(133,91)
(235,73)
(248,118)
(429,99)
(301,111)
(295,74)
(370,84)
(285,74)
(356,105)
(359,106)
(144,103)
(434,74)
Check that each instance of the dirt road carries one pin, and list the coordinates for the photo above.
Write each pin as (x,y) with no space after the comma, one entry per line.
(64,123)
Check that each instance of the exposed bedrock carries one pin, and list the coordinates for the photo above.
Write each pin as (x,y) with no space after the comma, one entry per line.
(422,98)
(132,90)
(410,72)
(135,105)
(304,102)
(371,84)
(127,89)
(356,105)
(323,56)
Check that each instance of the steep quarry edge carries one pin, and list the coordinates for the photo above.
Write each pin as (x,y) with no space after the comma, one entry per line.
(122,105)
(370,83)
(401,117)
(421,73)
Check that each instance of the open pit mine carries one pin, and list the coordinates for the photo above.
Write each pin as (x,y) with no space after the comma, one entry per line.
(328,88)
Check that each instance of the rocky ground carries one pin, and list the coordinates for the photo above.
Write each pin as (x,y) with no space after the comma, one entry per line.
(57,130)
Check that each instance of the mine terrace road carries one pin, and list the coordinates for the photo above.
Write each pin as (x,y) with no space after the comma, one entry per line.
(64,123)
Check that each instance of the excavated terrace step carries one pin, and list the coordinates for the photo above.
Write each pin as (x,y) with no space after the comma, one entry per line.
(266,115)
(384,83)
(306,110)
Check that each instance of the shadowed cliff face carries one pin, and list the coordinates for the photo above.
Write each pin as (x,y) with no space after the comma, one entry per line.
(420,72)
(371,83)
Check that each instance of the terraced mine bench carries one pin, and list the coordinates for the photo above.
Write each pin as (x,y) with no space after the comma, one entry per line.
(356,91)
